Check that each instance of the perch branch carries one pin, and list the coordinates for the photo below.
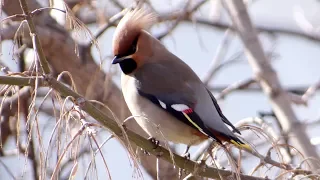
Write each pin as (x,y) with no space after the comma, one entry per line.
(113,126)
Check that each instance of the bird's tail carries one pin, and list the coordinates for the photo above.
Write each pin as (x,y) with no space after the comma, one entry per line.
(241,144)
(222,137)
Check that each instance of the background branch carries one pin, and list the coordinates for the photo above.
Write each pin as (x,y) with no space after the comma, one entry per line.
(268,79)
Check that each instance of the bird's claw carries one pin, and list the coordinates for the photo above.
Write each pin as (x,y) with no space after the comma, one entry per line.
(186,155)
(154,141)
(145,152)
(124,126)
(124,129)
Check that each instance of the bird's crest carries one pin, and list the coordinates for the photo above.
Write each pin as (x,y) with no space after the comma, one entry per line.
(130,27)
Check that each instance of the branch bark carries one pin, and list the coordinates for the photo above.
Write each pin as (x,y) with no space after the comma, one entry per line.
(268,80)
(199,169)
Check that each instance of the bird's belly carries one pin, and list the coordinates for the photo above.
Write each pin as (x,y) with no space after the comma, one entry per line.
(160,124)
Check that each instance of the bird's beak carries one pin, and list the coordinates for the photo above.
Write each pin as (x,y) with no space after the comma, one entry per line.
(116,60)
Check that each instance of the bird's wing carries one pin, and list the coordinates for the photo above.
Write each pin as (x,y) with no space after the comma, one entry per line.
(178,91)
(224,119)
(180,109)
(182,95)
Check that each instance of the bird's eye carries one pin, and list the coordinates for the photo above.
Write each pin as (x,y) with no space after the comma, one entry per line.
(134,45)
(133,48)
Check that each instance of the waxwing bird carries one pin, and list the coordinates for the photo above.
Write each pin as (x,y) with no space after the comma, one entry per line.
(165,96)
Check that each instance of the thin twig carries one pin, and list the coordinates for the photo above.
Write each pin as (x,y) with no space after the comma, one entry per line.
(16,17)
(39,10)
(185,13)
(219,56)
(236,86)
(80,131)
(311,91)
(95,153)
(35,39)
(158,168)
(99,150)
(7,169)
(140,141)
(137,139)
(111,22)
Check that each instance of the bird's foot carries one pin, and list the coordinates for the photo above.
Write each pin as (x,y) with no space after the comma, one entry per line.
(123,130)
(154,141)
(145,152)
(186,155)
(124,126)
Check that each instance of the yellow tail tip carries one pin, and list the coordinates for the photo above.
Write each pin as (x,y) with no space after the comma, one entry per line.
(242,146)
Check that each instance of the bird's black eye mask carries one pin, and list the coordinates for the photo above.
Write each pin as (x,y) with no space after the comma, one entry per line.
(127,64)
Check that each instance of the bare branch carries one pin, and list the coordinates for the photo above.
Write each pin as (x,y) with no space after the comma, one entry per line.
(268,79)
(310,91)
(10,104)
(35,39)
(219,55)
(236,86)
(186,12)
(137,139)
(7,169)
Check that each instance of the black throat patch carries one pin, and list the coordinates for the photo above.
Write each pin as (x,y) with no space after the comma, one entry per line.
(128,65)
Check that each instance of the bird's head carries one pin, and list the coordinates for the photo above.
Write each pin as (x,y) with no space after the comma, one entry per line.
(132,44)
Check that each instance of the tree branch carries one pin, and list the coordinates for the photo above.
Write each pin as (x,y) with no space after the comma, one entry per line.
(35,39)
(137,139)
(113,126)
(268,79)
